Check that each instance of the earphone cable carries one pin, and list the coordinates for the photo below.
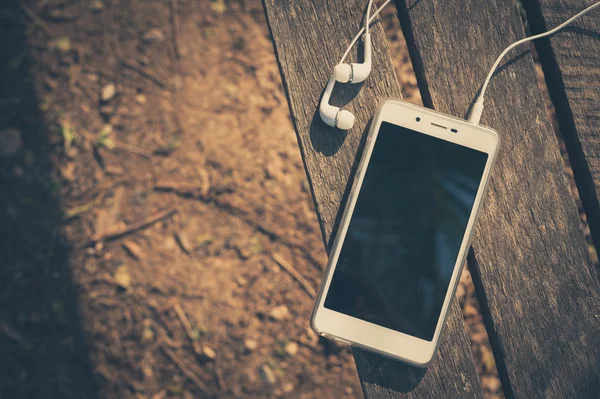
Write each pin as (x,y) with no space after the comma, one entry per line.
(478,106)
(477,110)
(368,15)
(360,32)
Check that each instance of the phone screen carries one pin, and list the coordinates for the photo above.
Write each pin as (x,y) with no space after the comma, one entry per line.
(405,234)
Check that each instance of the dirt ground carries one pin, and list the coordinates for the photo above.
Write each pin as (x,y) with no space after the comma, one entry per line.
(157,228)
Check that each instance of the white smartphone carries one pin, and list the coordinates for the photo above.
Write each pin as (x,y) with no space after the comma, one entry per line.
(405,232)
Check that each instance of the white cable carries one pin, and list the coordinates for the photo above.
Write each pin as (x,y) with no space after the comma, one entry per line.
(360,32)
(478,106)
(368,15)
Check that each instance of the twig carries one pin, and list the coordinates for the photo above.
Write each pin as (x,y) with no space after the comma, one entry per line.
(175,28)
(219,373)
(120,232)
(193,191)
(295,274)
(37,20)
(187,327)
(145,74)
(132,149)
(118,145)
(164,337)
(184,368)
(117,339)
(183,189)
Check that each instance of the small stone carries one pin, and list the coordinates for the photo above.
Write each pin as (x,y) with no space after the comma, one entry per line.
(279,313)
(267,374)
(289,387)
(291,348)
(250,344)
(349,390)
(108,92)
(96,6)
(153,35)
(219,6)
(62,44)
(122,277)
(209,352)
(204,240)
(141,99)
(170,243)
(114,170)
(10,142)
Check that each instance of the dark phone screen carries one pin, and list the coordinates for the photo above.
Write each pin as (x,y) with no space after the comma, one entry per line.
(406,230)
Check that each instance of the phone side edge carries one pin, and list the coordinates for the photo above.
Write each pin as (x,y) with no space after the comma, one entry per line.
(353,192)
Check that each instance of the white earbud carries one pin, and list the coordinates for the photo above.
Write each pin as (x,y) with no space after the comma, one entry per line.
(355,72)
(352,73)
(332,115)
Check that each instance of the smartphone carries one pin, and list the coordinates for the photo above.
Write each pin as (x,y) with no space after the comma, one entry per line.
(405,232)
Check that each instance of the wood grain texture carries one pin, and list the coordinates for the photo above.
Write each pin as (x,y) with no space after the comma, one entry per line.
(309,38)
(448,376)
(571,63)
(533,275)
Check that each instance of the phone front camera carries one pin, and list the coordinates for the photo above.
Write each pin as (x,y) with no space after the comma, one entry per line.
(418,119)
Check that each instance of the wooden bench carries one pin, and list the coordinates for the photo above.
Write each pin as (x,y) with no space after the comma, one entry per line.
(534,279)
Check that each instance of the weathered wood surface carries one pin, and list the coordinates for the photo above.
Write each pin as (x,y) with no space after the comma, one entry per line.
(309,38)
(571,61)
(533,275)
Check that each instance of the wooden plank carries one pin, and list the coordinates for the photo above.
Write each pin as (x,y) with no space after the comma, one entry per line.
(534,278)
(387,379)
(309,37)
(571,63)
